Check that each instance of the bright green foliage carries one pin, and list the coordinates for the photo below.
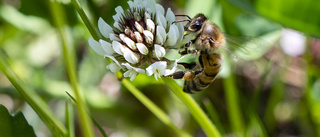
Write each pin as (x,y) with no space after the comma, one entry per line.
(296,14)
(45,52)
(14,126)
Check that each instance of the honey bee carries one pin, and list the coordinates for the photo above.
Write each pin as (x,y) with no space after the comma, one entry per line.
(208,40)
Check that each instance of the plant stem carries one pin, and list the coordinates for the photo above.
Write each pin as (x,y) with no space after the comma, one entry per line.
(235,116)
(85,19)
(69,62)
(69,119)
(153,108)
(196,111)
(213,115)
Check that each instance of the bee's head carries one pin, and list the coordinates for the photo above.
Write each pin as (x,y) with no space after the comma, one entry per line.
(197,23)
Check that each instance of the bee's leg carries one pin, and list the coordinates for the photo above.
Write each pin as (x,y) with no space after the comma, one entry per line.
(188,51)
(186,46)
(198,71)
(177,21)
(187,75)
(214,42)
(178,75)
(188,20)
(185,16)
(190,65)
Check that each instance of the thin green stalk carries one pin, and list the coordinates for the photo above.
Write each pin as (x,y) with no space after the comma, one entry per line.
(69,62)
(196,111)
(85,19)
(276,95)
(234,113)
(87,22)
(213,114)
(153,108)
(32,98)
(255,126)
(103,133)
(92,118)
(69,119)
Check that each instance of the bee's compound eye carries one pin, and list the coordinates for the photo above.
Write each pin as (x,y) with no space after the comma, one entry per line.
(196,27)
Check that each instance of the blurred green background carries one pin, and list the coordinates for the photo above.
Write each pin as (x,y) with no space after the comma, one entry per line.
(276,88)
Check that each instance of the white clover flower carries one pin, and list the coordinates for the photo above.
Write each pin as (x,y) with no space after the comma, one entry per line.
(142,48)
(161,35)
(150,25)
(172,35)
(175,67)
(159,51)
(148,36)
(157,69)
(113,67)
(160,68)
(132,71)
(130,56)
(139,38)
(96,46)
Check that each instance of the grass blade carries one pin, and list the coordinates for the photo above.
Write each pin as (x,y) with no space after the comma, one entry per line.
(213,115)
(69,119)
(93,120)
(234,113)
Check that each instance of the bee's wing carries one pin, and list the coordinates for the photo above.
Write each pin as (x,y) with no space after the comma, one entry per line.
(246,47)
(244,44)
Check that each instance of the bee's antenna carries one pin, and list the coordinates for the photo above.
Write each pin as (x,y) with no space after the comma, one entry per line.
(177,21)
(185,16)
(189,19)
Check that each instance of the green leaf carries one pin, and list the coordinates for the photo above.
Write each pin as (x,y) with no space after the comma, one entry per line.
(296,14)
(14,126)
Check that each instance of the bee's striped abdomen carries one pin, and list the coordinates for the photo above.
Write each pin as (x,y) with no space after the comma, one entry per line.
(211,65)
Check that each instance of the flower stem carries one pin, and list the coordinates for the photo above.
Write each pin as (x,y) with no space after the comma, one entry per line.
(197,113)
(32,98)
(153,108)
(69,62)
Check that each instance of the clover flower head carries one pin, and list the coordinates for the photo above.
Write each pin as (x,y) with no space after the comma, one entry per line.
(139,38)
